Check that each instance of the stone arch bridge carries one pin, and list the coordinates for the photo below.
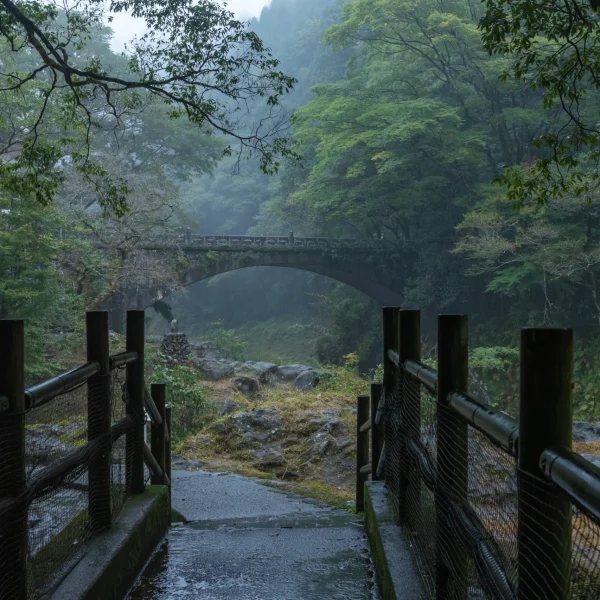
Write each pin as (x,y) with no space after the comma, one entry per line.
(371,267)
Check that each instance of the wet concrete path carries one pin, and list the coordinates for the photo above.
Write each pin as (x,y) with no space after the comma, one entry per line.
(251,542)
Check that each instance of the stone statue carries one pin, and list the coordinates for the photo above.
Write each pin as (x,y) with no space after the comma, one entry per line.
(174,326)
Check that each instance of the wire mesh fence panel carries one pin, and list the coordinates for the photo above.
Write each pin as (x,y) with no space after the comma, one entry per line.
(13,519)
(585,565)
(65,512)
(118,463)
(57,519)
(492,498)
(411,446)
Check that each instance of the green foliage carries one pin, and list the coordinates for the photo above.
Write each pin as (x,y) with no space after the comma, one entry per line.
(51,58)
(226,340)
(187,397)
(344,378)
(555,50)
(35,286)
(586,393)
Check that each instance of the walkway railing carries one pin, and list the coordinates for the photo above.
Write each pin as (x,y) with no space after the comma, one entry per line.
(72,451)
(493,507)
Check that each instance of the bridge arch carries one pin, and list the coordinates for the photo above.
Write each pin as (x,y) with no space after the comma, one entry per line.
(365,271)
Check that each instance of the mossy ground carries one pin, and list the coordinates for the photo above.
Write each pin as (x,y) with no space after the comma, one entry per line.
(329,478)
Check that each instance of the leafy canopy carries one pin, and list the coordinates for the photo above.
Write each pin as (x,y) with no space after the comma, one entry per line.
(553,47)
(195,58)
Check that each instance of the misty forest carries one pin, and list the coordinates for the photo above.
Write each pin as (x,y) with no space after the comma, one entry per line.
(461,136)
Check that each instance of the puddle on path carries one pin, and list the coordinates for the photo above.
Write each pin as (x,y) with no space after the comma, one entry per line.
(261,560)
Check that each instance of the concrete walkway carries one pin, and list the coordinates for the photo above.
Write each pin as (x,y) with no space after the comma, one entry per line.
(251,542)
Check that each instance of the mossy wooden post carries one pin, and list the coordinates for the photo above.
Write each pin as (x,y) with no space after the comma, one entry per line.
(157,432)
(99,419)
(168,452)
(135,402)
(376,431)
(362,451)
(452,453)
(546,419)
(13,524)
(409,348)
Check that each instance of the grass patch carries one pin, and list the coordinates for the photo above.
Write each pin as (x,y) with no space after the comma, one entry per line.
(317,490)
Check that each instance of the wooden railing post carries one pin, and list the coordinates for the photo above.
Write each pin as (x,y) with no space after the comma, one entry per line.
(409,348)
(13,526)
(157,432)
(99,419)
(376,431)
(546,419)
(362,451)
(168,453)
(135,402)
(452,453)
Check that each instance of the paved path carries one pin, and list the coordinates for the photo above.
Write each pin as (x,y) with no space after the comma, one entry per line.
(251,542)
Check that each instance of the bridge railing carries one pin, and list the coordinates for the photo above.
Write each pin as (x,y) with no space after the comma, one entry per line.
(193,240)
(72,450)
(494,507)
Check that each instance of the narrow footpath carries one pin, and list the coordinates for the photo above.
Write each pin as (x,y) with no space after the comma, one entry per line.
(246,541)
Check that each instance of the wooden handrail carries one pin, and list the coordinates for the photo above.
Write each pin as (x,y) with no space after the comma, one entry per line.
(151,407)
(43,393)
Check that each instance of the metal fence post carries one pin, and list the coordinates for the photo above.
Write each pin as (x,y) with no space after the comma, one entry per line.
(157,432)
(546,419)
(13,525)
(99,419)
(452,454)
(362,451)
(376,431)
(135,402)
(409,348)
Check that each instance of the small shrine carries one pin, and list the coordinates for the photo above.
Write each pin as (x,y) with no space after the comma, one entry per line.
(175,345)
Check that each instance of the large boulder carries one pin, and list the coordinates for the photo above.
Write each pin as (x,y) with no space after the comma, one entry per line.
(264,370)
(291,372)
(215,370)
(268,458)
(585,432)
(307,380)
(246,385)
(228,407)
(258,426)
(327,424)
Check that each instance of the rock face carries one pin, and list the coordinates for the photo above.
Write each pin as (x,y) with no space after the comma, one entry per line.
(246,385)
(175,347)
